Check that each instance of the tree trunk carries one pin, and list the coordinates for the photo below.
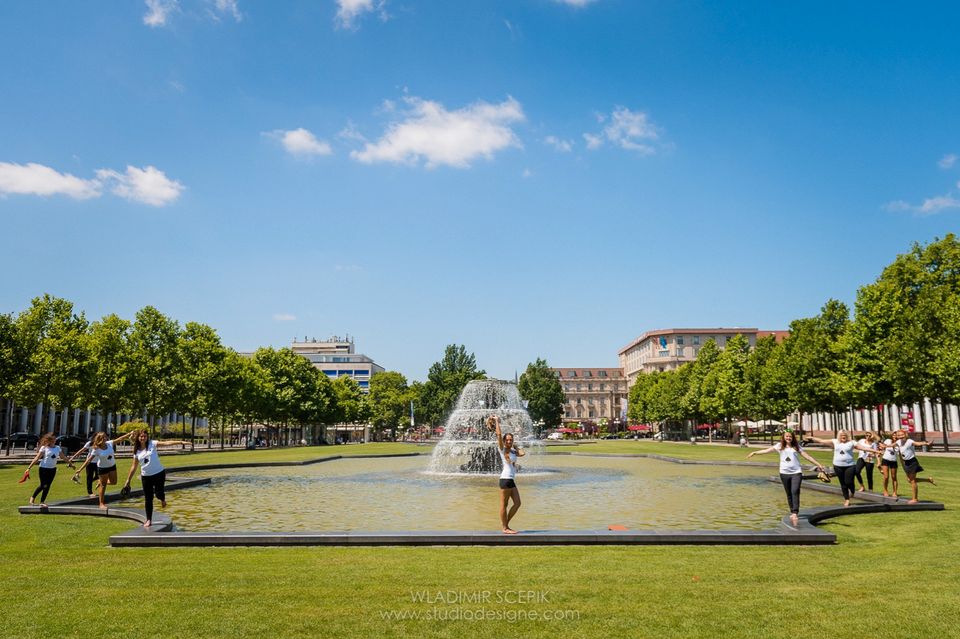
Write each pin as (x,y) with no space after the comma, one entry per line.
(193,431)
(945,420)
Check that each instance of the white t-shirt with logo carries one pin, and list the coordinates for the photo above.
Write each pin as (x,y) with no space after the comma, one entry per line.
(890,452)
(843,453)
(864,455)
(149,460)
(907,449)
(106,457)
(789,459)
(48,456)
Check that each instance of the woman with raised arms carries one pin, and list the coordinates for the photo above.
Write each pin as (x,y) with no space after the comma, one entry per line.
(508,485)
(104,452)
(153,476)
(47,455)
(844,466)
(791,473)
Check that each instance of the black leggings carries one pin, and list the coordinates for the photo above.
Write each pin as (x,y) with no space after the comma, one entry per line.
(846,475)
(153,485)
(46,478)
(791,485)
(869,466)
(91,475)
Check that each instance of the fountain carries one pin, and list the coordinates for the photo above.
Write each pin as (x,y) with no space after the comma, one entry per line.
(468,446)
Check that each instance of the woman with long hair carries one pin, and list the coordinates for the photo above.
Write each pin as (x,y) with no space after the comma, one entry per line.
(791,473)
(508,485)
(888,464)
(844,467)
(866,459)
(104,452)
(47,455)
(153,476)
(911,465)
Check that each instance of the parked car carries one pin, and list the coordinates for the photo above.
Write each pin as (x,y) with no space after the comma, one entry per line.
(70,443)
(19,440)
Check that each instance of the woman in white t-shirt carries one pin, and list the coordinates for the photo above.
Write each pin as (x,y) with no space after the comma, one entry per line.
(888,464)
(844,466)
(906,447)
(104,452)
(508,485)
(791,473)
(47,455)
(153,476)
(866,459)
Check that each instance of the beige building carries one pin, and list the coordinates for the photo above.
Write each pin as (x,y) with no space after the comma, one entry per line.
(670,348)
(591,394)
(337,357)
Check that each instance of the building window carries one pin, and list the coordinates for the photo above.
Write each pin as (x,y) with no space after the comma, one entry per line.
(571,373)
(578,387)
(593,413)
(587,374)
(663,354)
(589,387)
(603,373)
(602,386)
(680,340)
(696,340)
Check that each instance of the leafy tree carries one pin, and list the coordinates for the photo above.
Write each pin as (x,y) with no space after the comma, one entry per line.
(11,368)
(544,394)
(445,380)
(153,363)
(349,401)
(106,385)
(53,347)
(200,357)
(699,370)
(389,400)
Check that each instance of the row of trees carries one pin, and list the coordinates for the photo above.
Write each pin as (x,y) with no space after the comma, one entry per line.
(153,366)
(901,345)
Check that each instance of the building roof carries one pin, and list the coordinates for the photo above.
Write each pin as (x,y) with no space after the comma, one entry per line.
(690,331)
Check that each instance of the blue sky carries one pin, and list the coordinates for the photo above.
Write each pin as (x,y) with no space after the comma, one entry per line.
(527,177)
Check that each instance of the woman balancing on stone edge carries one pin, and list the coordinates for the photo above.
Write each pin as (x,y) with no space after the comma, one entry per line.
(791,473)
(844,466)
(153,476)
(104,451)
(47,454)
(508,484)
(908,457)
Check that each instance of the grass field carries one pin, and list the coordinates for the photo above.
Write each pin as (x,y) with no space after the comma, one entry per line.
(890,575)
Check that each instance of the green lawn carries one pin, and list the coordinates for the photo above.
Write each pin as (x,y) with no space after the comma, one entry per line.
(890,575)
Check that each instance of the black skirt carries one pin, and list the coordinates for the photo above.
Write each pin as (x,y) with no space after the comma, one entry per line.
(912,466)
(507,483)
(888,463)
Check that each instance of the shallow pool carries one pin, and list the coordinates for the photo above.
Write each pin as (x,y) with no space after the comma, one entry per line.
(566,493)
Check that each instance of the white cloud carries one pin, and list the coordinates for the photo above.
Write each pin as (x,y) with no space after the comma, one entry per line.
(930,206)
(284,317)
(437,136)
(301,142)
(158,11)
(593,141)
(148,185)
(37,179)
(630,130)
(349,11)
(227,7)
(948,161)
(575,3)
(564,146)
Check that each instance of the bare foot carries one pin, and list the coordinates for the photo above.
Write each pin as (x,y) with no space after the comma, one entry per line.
(914,501)
(862,489)
(886,494)
(43,505)
(894,495)
(846,503)
(103,506)
(31,501)
(509,531)
(794,519)
(147,523)
(91,496)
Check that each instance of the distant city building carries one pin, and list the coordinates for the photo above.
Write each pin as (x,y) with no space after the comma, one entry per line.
(591,394)
(336,357)
(670,348)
